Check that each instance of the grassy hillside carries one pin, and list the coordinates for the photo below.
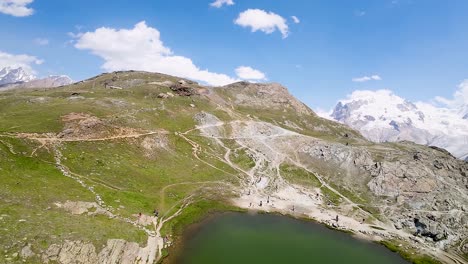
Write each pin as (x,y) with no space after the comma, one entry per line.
(128,142)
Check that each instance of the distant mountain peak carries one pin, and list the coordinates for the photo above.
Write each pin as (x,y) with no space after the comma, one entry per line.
(10,75)
(383,116)
(11,78)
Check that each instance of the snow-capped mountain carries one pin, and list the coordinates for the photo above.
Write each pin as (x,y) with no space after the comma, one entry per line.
(382,116)
(18,78)
(14,75)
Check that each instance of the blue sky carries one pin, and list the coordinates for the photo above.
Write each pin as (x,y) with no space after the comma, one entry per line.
(418,49)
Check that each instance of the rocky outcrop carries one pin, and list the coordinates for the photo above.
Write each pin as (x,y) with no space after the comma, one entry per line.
(429,185)
(116,251)
(71,252)
(79,208)
(265,96)
(183,88)
(26,252)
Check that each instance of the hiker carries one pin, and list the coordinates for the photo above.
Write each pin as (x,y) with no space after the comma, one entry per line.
(249,192)
(260,203)
(139,214)
(250,205)
(293,208)
(268,200)
(336,218)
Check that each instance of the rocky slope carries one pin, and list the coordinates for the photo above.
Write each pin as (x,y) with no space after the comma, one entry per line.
(125,143)
(382,116)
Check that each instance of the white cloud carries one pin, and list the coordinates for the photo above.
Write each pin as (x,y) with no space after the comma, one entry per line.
(248,73)
(21,60)
(141,48)
(460,97)
(295,19)
(267,22)
(18,8)
(220,3)
(367,78)
(41,41)
(324,113)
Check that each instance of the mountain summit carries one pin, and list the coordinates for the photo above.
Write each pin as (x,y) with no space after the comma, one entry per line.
(11,78)
(10,75)
(382,116)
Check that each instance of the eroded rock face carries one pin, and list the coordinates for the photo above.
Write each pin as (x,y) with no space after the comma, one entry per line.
(429,185)
(116,251)
(71,252)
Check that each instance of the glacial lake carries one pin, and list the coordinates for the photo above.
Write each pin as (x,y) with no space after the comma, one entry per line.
(244,238)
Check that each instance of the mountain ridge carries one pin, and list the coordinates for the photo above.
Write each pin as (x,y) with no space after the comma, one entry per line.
(9,75)
(12,78)
(382,116)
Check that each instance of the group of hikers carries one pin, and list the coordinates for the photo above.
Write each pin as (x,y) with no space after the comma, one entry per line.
(155,213)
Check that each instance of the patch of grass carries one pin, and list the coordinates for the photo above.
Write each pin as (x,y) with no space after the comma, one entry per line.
(29,189)
(140,181)
(409,255)
(332,197)
(195,213)
(242,158)
(299,176)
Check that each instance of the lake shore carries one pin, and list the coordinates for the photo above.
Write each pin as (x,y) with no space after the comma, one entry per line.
(206,214)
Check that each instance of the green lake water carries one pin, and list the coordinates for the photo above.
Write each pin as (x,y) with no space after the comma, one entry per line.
(243,238)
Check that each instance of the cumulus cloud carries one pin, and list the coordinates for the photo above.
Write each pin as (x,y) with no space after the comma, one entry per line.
(248,73)
(141,48)
(367,78)
(41,41)
(460,97)
(220,3)
(18,8)
(260,20)
(295,19)
(22,60)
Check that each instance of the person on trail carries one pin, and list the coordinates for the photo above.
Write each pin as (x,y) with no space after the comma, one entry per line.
(250,205)
(293,208)
(139,215)
(336,218)
(261,203)
(268,200)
